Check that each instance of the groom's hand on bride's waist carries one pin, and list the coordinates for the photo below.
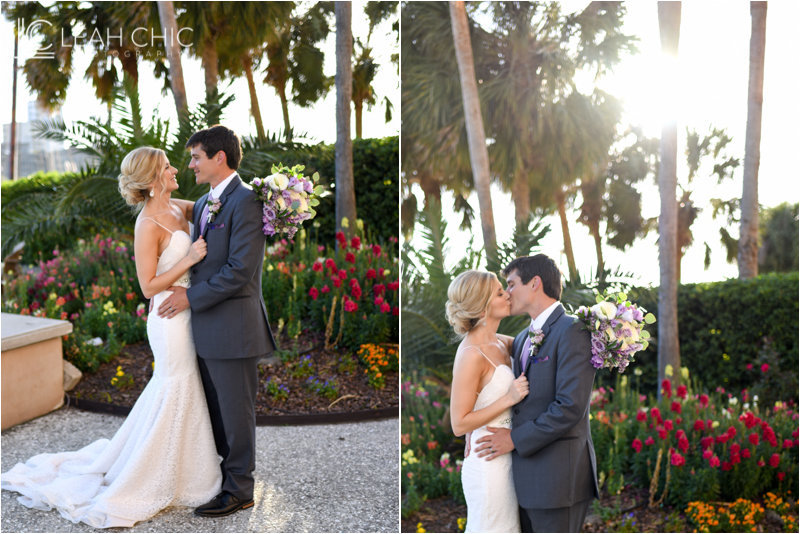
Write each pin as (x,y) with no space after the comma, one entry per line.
(175,303)
(495,444)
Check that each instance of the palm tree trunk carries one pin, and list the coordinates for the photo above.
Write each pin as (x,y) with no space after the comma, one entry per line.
(561,203)
(748,233)
(210,61)
(478,154)
(359,108)
(594,229)
(287,126)
(669,22)
(521,193)
(13,147)
(247,61)
(345,190)
(166,13)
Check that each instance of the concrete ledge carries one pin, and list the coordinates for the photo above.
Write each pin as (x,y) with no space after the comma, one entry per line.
(32,370)
(21,330)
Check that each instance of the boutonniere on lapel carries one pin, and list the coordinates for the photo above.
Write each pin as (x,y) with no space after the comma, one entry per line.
(213,209)
(537,338)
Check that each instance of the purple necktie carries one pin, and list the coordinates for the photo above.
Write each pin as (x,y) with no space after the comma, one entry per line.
(204,217)
(526,350)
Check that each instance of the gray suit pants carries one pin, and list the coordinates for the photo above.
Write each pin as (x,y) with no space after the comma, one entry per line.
(231,386)
(569,519)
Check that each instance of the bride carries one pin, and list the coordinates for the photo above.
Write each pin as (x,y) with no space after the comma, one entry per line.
(482,394)
(164,452)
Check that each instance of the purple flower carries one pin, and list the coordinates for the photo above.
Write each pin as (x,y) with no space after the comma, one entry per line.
(597,361)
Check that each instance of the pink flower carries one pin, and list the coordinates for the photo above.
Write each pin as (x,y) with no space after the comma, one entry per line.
(774,460)
(707,454)
(342,274)
(649,440)
(683,444)
(668,424)
(376,250)
(641,415)
(637,445)
(313,293)
(325,289)
(677,460)
(330,264)
(787,443)
(385,307)
(703,400)
(317,267)
(765,368)
(350,306)
(713,462)
(749,366)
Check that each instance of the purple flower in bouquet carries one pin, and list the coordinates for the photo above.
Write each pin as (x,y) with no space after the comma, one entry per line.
(617,331)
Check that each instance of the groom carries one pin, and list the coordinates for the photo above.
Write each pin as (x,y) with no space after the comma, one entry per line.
(229,319)
(555,473)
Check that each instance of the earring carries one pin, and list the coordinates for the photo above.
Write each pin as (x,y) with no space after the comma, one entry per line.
(152,193)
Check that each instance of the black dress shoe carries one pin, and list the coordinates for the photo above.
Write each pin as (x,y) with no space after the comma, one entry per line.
(222,505)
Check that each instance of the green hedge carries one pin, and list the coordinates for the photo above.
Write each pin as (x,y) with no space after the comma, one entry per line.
(723,327)
(375,176)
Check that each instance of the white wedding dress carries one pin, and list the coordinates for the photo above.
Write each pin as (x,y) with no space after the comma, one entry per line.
(162,455)
(489,485)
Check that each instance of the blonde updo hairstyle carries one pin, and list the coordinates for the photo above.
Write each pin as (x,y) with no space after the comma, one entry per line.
(468,298)
(138,171)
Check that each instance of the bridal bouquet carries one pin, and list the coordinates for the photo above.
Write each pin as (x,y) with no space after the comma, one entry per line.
(288,198)
(617,329)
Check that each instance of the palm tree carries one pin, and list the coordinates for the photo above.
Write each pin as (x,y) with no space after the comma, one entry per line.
(294,56)
(478,154)
(209,21)
(748,235)
(669,21)
(364,71)
(166,13)
(345,190)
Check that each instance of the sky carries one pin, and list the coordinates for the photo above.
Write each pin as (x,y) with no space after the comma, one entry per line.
(712,70)
(318,121)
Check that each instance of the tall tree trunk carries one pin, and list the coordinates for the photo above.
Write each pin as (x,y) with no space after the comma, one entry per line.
(521,193)
(594,229)
(669,23)
(359,108)
(431,187)
(478,154)
(345,190)
(210,61)
(287,126)
(13,147)
(247,61)
(748,233)
(561,203)
(166,14)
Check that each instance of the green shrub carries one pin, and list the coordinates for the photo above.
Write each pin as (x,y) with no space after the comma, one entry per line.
(726,326)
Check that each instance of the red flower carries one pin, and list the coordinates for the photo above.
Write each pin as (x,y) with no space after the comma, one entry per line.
(760,463)
(677,460)
(378,289)
(727,466)
(713,462)
(313,293)
(668,424)
(731,432)
(735,459)
(355,242)
(371,274)
(649,440)
(432,445)
(746,453)
(393,285)
(735,448)
(336,282)
(703,400)
(330,264)
(675,407)
(774,460)
(666,387)
(781,476)
(699,425)
(376,250)
(350,257)
(385,307)
(395,310)
(749,366)
(378,300)
(341,239)
(681,392)
(641,415)
(342,274)
(637,445)
(795,434)
(317,267)
(707,442)
(655,413)
(350,306)
(765,368)
(355,290)
(352,270)
(325,289)
(683,444)
(707,454)
(662,432)
(753,438)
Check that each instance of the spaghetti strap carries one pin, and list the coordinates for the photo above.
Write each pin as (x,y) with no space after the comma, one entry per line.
(158,223)
(482,354)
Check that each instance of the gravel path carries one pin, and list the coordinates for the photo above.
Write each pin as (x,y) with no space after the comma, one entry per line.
(321,478)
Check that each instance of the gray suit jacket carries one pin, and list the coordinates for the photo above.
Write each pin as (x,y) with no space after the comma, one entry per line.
(229,319)
(554,464)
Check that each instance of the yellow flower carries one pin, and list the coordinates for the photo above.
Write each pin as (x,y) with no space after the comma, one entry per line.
(668,370)
(685,373)
(420,528)
(462,523)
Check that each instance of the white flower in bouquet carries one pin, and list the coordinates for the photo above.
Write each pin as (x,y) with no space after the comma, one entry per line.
(288,199)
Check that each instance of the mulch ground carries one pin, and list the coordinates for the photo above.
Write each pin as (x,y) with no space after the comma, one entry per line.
(354,393)
(441,515)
